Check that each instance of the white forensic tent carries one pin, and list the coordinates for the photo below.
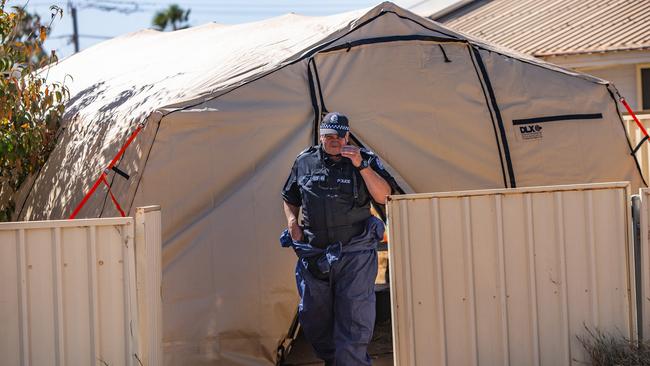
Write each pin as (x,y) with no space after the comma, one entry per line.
(226,109)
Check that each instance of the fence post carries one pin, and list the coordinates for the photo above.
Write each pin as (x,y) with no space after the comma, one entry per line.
(638,273)
(148,248)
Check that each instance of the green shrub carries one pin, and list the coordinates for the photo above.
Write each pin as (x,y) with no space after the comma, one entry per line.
(30,108)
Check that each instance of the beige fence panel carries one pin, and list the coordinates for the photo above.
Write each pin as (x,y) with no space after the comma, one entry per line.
(636,135)
(509,277)
(68,291)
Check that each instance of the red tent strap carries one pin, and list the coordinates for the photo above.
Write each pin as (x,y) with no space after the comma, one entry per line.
(102,176)
(108,186)
(638,123)
(86,197)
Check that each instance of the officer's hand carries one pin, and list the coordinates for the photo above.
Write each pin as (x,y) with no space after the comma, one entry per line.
(353,153)
(295,230)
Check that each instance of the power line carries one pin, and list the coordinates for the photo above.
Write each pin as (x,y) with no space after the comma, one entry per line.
(243,10)
(226,8)
(92,36)
(125,7)
(187,4)
(95,36)
(258,6)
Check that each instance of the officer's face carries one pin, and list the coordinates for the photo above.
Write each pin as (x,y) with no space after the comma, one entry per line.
(333,144)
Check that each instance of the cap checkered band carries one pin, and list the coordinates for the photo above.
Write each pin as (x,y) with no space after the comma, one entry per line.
(335,127)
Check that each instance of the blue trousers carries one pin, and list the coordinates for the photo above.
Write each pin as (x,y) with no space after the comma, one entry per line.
(337,313)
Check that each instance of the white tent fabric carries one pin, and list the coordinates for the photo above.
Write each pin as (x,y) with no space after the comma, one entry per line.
(227,108)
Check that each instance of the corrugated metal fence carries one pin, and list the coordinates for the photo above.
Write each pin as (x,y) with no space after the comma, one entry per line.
(509,277)
(68,292)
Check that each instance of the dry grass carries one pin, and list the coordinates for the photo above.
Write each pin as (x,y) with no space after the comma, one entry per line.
(605,349)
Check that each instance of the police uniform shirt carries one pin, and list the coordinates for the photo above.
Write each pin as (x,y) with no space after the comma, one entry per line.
(333,195)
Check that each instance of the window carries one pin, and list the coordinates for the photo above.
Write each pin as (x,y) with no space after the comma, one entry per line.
(643,86)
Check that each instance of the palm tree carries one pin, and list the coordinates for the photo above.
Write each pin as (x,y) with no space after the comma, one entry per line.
(173,16)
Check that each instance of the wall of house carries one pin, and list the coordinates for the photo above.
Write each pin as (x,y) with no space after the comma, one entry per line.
(620,68)
(623,77)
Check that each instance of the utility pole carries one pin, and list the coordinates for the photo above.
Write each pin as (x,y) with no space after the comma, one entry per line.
(75,30)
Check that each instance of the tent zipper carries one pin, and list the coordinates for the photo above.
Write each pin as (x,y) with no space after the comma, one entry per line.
(497,113)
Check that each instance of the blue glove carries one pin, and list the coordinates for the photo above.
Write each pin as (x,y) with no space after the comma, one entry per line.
(285,239)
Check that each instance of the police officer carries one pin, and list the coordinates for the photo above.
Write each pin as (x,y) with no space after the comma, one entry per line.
(334,184)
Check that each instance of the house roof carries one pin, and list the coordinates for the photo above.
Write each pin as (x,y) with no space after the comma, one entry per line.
(554,27)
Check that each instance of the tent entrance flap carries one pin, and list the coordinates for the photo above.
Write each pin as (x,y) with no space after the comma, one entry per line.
(315,89)
(399,94)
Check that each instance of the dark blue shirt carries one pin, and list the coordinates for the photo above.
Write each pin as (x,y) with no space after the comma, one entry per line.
(333,196)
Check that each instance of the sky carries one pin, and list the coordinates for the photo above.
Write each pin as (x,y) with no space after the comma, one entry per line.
(99,20)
